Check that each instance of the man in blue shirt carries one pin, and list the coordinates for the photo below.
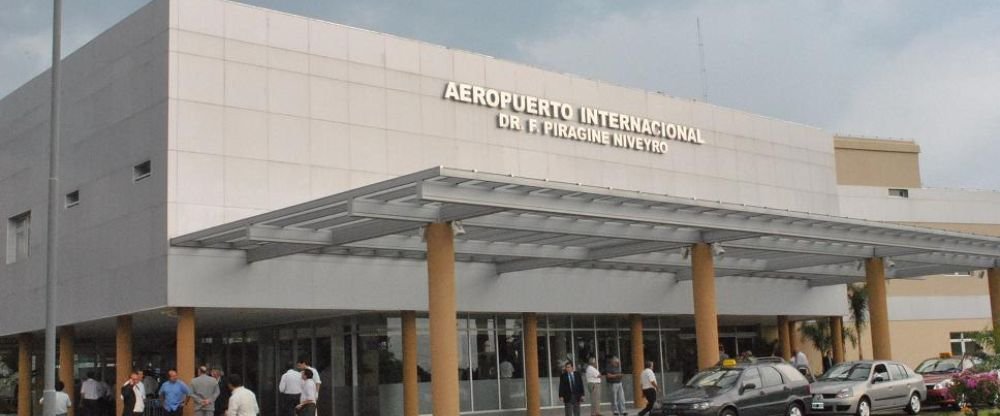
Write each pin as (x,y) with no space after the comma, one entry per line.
(174,394)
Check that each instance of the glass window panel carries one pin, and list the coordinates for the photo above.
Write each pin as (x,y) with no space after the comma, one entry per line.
(607,321)
(559,321)
(562,351)
(511,370)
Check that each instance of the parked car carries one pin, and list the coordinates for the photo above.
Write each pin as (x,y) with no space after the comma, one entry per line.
(754,388)
(862,387)
(938,373)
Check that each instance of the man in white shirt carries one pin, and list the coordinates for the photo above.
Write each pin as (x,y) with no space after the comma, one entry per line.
(63,403)
(649,388)
(799,359)
(290,388)
(304,364)
(307,403)
(594,386)
(242,402)
(90,396)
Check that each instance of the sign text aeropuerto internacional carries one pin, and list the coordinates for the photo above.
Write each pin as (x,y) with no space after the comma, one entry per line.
(593,123)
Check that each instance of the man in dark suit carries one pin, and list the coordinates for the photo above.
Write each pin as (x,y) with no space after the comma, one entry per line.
(571,389)
(132,399)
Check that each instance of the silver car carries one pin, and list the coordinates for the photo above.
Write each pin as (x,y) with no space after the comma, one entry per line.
(861,387)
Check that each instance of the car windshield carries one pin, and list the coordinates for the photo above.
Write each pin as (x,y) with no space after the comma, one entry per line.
(938,365)
(849,372)
(717,377)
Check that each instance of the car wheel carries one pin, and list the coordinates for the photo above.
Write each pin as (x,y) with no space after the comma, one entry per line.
(914,406)
(864,408)
(728,412)
(794,409)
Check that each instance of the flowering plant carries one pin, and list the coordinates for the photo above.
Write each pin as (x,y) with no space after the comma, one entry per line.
(975,389)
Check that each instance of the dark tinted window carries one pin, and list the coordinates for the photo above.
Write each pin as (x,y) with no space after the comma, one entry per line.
(770,376)
(880,369)
(751,376)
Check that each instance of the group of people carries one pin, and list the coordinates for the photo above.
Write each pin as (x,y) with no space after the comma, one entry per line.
(212,396)
(573,387)
(299,388)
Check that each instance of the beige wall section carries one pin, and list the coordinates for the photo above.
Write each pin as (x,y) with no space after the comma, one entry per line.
(937,286)
(912,341)
(877,162)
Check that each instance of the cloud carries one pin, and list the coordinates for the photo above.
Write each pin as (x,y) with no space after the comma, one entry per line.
(884,68)
(942,89)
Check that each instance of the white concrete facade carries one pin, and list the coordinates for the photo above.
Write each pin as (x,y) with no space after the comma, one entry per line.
(242,110)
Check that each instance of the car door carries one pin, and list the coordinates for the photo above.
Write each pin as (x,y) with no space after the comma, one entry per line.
(903,384)
(751,401)
(880,388)
(775,391)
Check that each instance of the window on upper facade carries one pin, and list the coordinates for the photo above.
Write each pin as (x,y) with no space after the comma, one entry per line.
(902,193)
(962,343)
(18,237)
(141,171)
(72,199)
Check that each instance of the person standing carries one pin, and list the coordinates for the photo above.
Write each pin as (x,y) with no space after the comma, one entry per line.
(132,393)
(149,383)
(223,400)
(614,375)
(649,388)
(204,390)
(90,396)
(304,364)
(593,376)
(571,389)
(722,353)
(307,402)
(174,394)
(63,403)
(290,387)
(242,401)
(799,359)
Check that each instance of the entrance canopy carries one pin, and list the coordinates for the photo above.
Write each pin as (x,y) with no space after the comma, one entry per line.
(523,224)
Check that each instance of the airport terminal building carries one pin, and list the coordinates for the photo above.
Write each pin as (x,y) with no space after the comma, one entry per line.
(437,231)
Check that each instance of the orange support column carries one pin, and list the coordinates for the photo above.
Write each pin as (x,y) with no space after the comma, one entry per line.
(123,355)
(994,284)
(706,318)
(66,362)
(411,393)
(532,384)
(638,360)
(837,338)
(443,318)
(24,375)
(793,337)
(185,349)
(878,308)
(784,339)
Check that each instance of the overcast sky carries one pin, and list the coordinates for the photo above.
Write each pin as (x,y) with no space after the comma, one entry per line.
(922,70)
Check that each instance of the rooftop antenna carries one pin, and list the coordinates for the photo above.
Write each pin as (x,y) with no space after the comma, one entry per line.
(701,56)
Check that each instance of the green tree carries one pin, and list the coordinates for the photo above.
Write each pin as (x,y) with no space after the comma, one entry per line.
(818,332)
(857,303)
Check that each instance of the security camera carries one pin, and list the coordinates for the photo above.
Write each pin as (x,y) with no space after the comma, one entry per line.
(717,249)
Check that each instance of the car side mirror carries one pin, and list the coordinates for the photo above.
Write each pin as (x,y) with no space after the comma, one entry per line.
(878,378)
(748,386)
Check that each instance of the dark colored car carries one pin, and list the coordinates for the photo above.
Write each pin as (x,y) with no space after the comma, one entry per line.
(759,388)
(938,372)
